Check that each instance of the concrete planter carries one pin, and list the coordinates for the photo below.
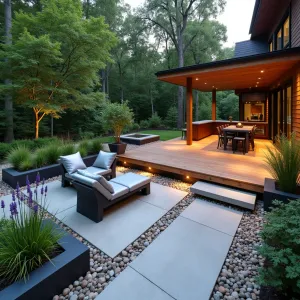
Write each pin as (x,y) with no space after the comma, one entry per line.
(271,193)
(12,176)
(117,148)
(51,278)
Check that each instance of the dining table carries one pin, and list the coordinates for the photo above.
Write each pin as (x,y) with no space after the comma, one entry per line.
(233,129)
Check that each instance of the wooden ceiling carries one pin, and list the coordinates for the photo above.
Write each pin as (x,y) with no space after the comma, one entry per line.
(255,75)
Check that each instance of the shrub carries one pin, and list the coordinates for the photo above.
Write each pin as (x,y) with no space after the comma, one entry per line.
(116,117)
(155,121)
(40,158)
(4,150)
(171,118)
(95,146)
(67,149)
(284,162)
(134,127)
(29,144)
(52,153)
(19,155)
(26,242)
(27,164)
(42,142)
(144,124)
(86,135)
(281,249)
(83,148)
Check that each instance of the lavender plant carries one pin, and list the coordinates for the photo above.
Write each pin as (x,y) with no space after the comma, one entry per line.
(26,241)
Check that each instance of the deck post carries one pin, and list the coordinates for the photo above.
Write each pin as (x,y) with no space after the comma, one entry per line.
(214,105)
(189,111)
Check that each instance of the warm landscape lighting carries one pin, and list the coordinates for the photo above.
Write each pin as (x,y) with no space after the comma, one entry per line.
(261,71)
(187,177)
(197,78)
(205,83)
(125,162)
(149,168)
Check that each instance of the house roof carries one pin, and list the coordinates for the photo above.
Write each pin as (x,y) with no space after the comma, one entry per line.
(251,47)
(236,73)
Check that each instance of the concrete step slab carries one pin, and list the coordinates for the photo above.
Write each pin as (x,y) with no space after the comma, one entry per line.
(225,194)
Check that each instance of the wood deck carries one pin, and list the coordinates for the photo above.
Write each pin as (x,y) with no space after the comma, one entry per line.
(204,161)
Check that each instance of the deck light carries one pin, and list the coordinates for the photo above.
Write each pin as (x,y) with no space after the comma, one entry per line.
(187,177)
(149,168)
(125,162)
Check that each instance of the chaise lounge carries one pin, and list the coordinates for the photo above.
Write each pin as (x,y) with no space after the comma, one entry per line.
(95,194)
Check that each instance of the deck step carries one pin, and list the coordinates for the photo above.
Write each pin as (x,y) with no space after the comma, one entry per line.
(224,194)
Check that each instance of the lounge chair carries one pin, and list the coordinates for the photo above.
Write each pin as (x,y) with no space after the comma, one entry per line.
(95,196)
(106,166)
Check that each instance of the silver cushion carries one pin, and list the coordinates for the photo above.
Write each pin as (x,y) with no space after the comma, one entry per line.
(104,160)
(119,189)
(99,178)
(131,180)
(83,179)
(73,162)
(97,171)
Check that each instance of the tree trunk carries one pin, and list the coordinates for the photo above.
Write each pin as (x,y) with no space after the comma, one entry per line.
(197,106)
(103,81)
(51,126)
(9,134)
(37,126)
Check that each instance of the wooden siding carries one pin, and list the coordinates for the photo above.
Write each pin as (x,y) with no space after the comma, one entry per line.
(295,20)
(296,104)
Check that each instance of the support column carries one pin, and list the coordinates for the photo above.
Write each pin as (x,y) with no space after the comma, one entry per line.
(214,105)
(189,111)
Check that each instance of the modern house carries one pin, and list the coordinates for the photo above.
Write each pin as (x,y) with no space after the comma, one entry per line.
(265,73)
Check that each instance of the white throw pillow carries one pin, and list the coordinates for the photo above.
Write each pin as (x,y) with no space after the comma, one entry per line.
(104,160)
(73,162)
(99,178)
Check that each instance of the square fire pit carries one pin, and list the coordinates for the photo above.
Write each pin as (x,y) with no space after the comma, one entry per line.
(139,138)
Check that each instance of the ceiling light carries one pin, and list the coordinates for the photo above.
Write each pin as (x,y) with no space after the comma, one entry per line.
(205,83)
(187,177)
(125,162)
(262,71)
(259,78)
(197,78)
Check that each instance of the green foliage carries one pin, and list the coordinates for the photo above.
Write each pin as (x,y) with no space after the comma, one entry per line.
(171,118)
(83,148)
(40,158)
(165,135)
(67,149)
(95,146)
(134,127)
(52,153)
(19,157)
(26,164)
(281,248)
(26,242)
(116,117)
(86,135)
(4,150)
(41,142)
(23,143)
(144,124)
(155,121)
(284,162)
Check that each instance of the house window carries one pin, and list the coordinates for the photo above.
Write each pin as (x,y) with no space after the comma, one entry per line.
(279,40)
(286,32)
(254,107)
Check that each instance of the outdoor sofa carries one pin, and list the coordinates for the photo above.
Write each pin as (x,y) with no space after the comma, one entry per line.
(95,194)
(104,165)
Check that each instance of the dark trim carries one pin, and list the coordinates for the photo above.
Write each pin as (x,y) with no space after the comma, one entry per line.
(232,61)
(51,278)
(139,142)
(256,9)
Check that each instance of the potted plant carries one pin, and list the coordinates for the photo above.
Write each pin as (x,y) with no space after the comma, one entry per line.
(37,258)
(283,162)
(115,117)
(279,277)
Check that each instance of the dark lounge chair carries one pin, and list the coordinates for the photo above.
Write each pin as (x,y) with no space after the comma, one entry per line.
(93,197)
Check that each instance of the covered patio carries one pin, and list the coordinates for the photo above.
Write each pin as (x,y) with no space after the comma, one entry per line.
(257,73)
(203,161)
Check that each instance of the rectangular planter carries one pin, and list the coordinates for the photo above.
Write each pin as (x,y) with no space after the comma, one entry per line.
(50,279)
(270,194)
(12,176)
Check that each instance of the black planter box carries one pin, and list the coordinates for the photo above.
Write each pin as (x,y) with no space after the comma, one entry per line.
(50,279)
(270,194)
(12,176)
(117,148)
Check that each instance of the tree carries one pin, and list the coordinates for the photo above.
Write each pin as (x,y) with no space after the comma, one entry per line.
(75,49)
(172,16)
(9,135)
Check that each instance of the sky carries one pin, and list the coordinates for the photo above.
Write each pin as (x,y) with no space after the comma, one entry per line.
(237,17)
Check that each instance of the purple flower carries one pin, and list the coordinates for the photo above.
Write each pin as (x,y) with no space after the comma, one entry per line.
(35,208)
(13,208)
(42,190)
(22,197)
(2,204)
(27,181)
(13,196)
(37,179)
(30,199)
(46,189)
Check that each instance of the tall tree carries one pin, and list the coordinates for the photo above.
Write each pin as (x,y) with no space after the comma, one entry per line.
(172,17)
(9,134)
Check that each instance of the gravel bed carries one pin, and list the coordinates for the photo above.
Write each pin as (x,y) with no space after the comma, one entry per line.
(236,279)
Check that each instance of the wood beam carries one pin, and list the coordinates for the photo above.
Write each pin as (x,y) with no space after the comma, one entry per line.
(214,105)
(189,111)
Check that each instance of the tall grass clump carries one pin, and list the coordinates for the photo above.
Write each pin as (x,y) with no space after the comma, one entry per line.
(52,153)
(40,158)
(4,150)
(18,156)
(284,162)
(95,146)
(83,148)
(26,241)
(67,149)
